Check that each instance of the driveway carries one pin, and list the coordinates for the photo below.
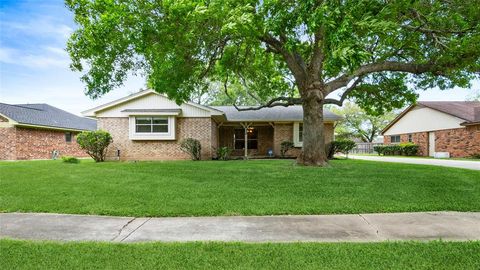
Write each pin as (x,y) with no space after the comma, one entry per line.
(464,164)
(318,228)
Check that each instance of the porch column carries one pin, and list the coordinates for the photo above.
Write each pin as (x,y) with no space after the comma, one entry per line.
(245,132)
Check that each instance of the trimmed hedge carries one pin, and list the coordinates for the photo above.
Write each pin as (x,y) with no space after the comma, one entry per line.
(406,149)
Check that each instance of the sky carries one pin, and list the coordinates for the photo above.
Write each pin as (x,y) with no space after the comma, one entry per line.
(34,66)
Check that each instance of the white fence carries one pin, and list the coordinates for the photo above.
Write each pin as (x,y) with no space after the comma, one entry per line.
(364,148)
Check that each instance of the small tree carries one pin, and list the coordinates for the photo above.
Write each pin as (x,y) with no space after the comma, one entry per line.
(192,147)
(284,147)
(95,143)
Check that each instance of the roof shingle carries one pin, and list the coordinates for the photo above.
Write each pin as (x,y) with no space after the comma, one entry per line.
(291,113)
(46,115)
(461,109)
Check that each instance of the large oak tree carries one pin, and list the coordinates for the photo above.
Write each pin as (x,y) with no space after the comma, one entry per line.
(293,52)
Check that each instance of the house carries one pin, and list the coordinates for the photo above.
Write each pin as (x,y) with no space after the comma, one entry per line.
(34,131)
(438,126)
(148,126)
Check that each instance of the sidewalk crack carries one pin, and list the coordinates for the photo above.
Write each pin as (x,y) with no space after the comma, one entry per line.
(370,224)
(123,228)
(128,235)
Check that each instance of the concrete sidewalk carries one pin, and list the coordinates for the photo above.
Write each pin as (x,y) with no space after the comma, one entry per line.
(320,228)
(464,164)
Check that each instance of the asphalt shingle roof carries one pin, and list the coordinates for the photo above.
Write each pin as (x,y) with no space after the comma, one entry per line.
(46,115)
(291,113)
(461,109)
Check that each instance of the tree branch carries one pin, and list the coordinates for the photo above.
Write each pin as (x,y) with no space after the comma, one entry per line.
(279,101)
(293,60)
(413,68)
(344,95)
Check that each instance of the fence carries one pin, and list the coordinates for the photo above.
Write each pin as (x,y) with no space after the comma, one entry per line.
(364,148)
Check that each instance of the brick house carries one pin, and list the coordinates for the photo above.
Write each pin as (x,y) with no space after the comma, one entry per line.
(148,126)
(34,131)
(438,126)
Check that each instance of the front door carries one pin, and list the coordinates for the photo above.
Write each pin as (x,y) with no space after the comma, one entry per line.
(431,144)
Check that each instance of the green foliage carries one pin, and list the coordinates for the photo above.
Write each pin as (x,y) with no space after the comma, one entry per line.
(192,147)
(223,153)
(95,143)
(69,159)
(475,156)
(285,146)
(342,146)
(407,149)
(184,46)
(357,123)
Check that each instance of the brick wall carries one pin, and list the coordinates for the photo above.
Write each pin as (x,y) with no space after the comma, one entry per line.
(39,144)
(197,128)
(284,132)
(459,142)
(7,143)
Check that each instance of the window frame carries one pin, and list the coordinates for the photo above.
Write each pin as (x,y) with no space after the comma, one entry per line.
(297,130)
(169,134)
(241,140)
(410,138)
(70,138)
(395,136)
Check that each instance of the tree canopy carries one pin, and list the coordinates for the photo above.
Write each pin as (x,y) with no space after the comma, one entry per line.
(375,52)
(359,124)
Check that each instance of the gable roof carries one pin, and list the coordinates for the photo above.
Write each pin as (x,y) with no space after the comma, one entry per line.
(466,110)
(461,109)
(93,111)
(45,115)
(291,113)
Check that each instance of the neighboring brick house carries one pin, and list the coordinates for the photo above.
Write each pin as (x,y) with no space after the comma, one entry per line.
(149,126)
(438,126)
(34,131)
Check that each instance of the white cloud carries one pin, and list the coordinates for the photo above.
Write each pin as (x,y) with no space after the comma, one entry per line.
(49,57)
(41,26)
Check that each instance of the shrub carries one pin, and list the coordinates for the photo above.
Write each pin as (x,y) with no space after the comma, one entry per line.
(285,146)
(476,156)
(409,149)
(223,153)
(192,147)
(69,159)
(343,146)
(95,143)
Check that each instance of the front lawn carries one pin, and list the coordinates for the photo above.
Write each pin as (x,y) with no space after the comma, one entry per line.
(387,255)
(257,187)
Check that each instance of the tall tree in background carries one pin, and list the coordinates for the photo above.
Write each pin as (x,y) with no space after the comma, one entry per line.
(359,124)
(284,51)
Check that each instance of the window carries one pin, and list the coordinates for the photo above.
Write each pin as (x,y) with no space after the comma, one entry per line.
(68,137)
(300,132)
(410,138)
(395,139)
(252,138)
(151,125)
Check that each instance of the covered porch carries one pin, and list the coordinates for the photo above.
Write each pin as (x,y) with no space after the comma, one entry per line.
(247,139)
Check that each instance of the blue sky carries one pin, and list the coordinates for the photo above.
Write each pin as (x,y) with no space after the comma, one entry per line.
(34,67)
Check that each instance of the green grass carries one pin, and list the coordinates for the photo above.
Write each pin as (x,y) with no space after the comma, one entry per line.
(257,187)
(386,255)
(424,157)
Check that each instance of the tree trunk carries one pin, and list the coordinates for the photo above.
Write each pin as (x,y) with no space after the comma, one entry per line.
(313,151)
